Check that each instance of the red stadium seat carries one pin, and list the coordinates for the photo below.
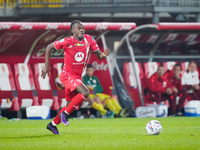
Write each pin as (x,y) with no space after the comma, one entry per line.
(150,68)
(61,97)
(130,81)
(169,65)
(8,89)
(45,88)
(56,70)
(129,75)
(184,66)
(43,84)
(25,84)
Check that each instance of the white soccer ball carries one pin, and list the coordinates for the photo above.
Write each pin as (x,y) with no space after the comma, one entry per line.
(154,127)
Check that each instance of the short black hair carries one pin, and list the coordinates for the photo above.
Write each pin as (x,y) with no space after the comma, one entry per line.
(73,23)
(177,65)
(160,66)
(90,66)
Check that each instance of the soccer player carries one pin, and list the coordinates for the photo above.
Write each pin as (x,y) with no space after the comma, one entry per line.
(190,81)
(160,89)
(98,97)
(174,78)
(76,52)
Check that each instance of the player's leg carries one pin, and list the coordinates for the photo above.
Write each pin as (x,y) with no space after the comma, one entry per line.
(56,121)
(183,96)
(82,94)
(115,103)
(68,96)
(172,103)
(105,113)
(195,95)
(106,99)
(156,96)
(95,102)
(99,99)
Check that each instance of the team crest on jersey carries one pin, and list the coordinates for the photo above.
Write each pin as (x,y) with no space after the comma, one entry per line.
(78,44)
(94,81)
(79,56)
(164,84)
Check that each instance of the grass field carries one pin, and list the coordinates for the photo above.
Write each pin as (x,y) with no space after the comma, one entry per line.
(178,133)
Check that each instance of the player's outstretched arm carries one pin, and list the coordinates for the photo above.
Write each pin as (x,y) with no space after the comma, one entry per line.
(45,70)
(102,55)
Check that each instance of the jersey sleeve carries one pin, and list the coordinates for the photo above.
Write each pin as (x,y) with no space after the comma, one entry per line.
(196,78)
(93,45)
(60,44)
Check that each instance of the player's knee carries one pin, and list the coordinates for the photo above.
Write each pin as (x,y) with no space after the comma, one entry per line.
(86,93)
(157,94)
(184,92)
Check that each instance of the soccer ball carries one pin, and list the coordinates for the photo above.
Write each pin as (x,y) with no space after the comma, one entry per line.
(154,127)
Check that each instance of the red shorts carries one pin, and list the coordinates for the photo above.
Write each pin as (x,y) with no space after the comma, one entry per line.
(71,83)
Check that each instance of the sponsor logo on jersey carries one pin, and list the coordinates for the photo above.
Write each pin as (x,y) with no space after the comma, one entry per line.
(79,56)
(78,44)
(94,81)
(164,84)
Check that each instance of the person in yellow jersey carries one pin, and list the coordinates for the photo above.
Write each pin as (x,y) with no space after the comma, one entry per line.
(98,97)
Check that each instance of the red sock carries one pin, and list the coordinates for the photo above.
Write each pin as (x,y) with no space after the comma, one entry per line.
(57,119)
(79,98)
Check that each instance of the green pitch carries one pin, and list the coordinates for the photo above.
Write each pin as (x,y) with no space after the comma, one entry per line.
(178,133)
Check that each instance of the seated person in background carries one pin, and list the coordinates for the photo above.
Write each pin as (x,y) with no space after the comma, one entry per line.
(58,83)
(160,89)
(190,81)
(93,83)
(95,102)
(174,78)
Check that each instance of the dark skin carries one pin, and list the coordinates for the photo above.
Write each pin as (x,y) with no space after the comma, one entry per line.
(78,32)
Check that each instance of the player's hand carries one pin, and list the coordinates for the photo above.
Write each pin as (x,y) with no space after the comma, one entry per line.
(175,89)
(177,76)
(45,71)
(196,87)
(106,52)
(169,91)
